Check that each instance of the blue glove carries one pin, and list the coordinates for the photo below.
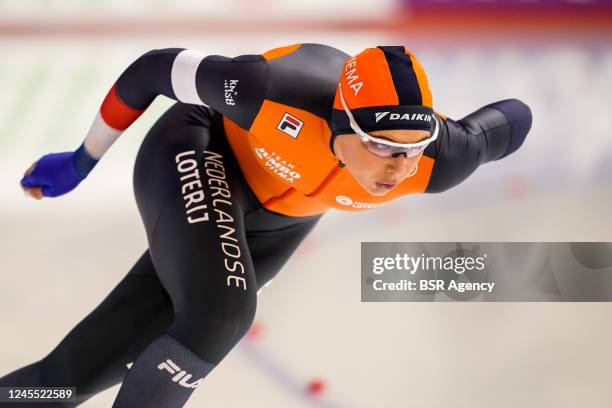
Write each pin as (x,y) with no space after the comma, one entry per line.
(59,173)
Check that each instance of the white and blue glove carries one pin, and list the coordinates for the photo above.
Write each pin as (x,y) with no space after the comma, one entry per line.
(57,173)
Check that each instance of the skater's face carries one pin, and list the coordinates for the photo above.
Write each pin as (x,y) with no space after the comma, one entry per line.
(378,175)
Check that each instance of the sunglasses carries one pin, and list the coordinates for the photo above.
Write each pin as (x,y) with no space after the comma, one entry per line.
(386,148)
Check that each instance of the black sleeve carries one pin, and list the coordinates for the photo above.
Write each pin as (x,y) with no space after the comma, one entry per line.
(145,78)
(235,87)
(490,133)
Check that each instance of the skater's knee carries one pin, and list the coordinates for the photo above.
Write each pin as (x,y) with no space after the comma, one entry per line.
(232,318)
(212,330)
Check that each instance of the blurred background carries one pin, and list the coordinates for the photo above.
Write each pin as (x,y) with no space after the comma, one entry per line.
(314,344)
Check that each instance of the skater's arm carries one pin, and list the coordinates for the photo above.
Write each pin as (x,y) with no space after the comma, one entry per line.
(235,87)
(490,133)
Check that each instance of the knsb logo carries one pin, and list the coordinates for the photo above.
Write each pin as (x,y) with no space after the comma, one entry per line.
(349,202)
(182,377)
(290,125)
(230,91)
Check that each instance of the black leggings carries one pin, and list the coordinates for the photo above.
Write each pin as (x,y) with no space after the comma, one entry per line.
(211,247)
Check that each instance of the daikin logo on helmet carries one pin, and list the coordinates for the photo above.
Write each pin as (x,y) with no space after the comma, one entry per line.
(406,116)
(380,115)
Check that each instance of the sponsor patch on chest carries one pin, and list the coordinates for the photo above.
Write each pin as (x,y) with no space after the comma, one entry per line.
(277,165)
(290,125)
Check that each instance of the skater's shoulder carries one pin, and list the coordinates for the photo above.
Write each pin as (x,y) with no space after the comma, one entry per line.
(320,53)
(304,76)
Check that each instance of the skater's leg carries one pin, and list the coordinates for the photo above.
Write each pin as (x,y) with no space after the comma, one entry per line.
(93,356)
(189,193)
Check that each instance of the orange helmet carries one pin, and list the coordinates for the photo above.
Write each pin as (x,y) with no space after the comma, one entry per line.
(384,88)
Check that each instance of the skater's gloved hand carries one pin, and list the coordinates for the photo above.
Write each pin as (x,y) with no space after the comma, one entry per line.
(56,173)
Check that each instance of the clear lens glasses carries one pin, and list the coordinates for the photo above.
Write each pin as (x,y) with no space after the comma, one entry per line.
(381,149)
(385,148)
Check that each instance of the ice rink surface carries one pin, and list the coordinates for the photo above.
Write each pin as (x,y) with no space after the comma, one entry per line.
(59,258)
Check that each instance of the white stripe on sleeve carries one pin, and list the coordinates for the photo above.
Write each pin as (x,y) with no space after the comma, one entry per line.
(100,137)
(183,76)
